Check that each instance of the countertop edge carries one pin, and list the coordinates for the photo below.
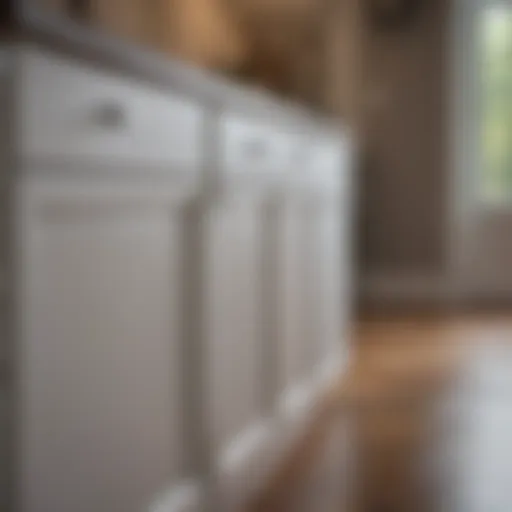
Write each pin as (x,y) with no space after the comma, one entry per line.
(31,26)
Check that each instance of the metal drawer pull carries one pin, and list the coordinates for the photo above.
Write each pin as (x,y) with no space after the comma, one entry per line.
(110,116)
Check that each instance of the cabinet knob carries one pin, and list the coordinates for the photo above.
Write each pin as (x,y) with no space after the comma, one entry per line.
(110,115)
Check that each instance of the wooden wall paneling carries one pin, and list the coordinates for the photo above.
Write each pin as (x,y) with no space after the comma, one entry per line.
(344,30)
(206,33)
(130,19)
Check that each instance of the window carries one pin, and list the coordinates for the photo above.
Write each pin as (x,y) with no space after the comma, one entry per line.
(496,103)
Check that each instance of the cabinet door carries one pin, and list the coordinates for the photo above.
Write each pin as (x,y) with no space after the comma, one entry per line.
(101,353)
(295,318)
(313,295)
(235,321)
(331,284)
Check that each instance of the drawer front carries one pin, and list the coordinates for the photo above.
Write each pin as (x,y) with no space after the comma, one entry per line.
(254,147)
(73,111)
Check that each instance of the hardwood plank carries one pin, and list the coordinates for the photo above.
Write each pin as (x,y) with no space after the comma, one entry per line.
(421,423)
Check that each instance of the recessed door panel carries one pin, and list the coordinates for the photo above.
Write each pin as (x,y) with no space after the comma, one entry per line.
(102,390)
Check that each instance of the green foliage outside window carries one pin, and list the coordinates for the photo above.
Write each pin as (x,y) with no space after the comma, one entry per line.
(497,105)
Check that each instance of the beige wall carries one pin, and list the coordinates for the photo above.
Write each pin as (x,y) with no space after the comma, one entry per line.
(404,214)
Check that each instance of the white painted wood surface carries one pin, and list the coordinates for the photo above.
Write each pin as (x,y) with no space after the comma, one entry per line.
(131,268)
(234,329)
(255,145)
(101,353)
(78,113)
(235,333)
(294,324)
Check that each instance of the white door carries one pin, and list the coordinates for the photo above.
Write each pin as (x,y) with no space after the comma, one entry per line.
(102,411)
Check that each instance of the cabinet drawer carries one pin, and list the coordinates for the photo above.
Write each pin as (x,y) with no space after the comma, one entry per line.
(255,147)
(69,110)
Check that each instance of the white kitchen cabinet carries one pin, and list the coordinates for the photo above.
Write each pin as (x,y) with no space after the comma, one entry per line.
(107,178)
(240,234)
(313,258)
(276,308)
(234,331)
(174,292)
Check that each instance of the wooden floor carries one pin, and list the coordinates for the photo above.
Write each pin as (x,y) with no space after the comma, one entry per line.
(422,423)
